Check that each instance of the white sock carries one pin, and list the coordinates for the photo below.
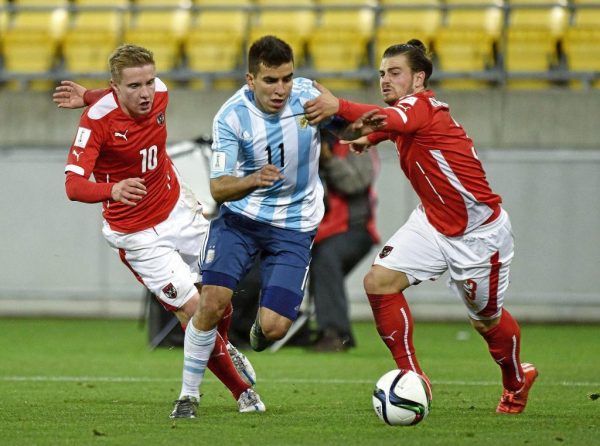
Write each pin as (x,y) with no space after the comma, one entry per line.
(197,347)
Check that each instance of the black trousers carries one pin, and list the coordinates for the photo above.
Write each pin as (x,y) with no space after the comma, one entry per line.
(332,260)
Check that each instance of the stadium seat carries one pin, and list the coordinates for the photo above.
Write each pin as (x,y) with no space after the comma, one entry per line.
(467,53)
(582,51)
(531,41)
(340,44)
(292,24)
(160,31)
(215,42)
(467,43)
(31,42)
(398,24)
(93,35)
(41,3)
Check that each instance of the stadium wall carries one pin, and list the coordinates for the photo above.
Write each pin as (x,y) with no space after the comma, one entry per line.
(541,151)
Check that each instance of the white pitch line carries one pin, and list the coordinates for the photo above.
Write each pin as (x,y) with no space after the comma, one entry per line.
(134,379)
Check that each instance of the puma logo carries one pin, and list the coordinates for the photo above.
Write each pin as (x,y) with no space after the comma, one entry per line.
(122,135)
(77,154)
(390,337)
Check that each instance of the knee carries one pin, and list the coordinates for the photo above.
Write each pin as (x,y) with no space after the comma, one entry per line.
(212,303)
(483,326)
(275,329)
(372,282)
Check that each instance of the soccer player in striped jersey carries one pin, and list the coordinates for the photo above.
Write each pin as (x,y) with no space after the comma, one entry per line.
(264,171)
(459,226)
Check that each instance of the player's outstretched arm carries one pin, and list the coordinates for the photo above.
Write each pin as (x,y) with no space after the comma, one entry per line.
(69,94)
(322,107)
(231,188)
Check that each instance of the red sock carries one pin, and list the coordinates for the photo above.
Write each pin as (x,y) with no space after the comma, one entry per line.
(225,323)
(504,344)
(222,367)
(395,326)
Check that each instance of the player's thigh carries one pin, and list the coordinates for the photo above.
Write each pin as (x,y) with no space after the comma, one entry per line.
(413,250)
(156,263)
(480,267)
(284,266)
(228,253)
(186,229)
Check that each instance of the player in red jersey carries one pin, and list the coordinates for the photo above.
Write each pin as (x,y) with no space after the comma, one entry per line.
(150,217)
(458,227)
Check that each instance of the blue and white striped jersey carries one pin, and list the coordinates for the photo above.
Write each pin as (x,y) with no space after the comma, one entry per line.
(246,139)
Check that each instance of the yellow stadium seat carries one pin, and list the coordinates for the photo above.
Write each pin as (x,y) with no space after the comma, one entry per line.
(104,4)
(488,19)
(224,3)
(553,19)
(41,3)
(531,40)
(529,51)
(400,25)
(31,41)
(292,25)
(344,3)
(587,17)
(214,43)
(582,50)
(464,51)
(340,42)
(162,32)
(167,4)
(91,39)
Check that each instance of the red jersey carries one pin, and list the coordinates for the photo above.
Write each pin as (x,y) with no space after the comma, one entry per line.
(439,160)
(113,146)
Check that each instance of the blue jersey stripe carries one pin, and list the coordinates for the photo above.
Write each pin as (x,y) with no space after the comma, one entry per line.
(247,139)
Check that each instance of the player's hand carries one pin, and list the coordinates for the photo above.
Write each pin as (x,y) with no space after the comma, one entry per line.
(69,95)
(369,122)
(266,176)
(321,107)
(129,191)
(360,145)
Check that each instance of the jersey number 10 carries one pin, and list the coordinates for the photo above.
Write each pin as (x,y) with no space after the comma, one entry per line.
(149,158)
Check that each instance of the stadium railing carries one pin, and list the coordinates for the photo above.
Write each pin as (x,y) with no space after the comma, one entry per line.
(492,62)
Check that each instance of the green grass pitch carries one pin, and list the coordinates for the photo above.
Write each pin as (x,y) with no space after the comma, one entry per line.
(95,382)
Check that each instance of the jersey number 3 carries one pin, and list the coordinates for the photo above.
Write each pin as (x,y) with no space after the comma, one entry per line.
(149,158)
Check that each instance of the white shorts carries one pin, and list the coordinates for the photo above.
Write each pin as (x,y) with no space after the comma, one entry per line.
(478,262)
(165,258)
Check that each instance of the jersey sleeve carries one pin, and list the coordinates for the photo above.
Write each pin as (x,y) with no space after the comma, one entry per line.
(406,116)
(81,189)
(91,96)
(85,147)
(225,146)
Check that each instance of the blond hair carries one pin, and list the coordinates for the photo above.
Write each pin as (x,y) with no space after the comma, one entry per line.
(128,56)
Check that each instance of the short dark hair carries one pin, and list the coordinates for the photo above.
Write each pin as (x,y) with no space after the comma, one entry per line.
(270,51)
(416,55)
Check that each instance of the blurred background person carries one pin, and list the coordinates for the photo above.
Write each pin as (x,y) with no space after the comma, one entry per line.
(345,236)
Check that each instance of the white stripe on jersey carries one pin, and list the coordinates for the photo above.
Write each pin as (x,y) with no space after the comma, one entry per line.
(249,138)
(477,212)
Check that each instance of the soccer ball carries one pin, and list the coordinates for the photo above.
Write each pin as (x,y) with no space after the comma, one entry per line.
(400,398)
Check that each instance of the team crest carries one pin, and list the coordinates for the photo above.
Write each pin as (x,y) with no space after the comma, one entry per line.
(385,251)
(160,118)
(303,122)
(170,291)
